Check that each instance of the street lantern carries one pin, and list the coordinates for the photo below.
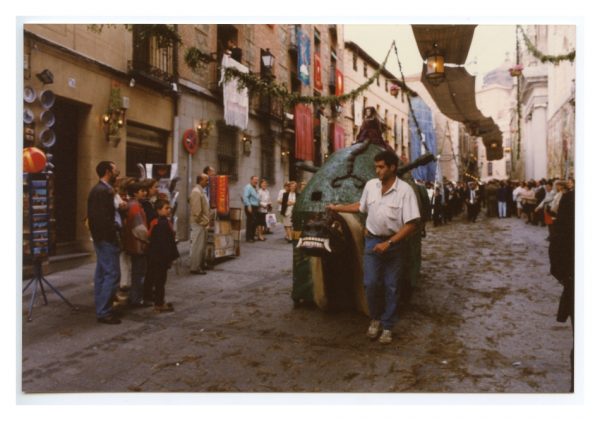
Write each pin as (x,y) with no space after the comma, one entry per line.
(435,66)
(267,59)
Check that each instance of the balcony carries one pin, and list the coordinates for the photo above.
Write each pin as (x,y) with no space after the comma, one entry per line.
(270,107)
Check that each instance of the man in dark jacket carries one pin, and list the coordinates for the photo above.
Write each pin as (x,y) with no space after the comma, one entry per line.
(101,220)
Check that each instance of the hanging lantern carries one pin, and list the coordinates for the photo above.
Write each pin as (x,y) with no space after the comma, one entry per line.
(435,66)
(34,160)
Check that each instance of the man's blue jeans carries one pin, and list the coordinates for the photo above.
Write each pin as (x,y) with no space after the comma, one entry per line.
(106,276)
(381,277)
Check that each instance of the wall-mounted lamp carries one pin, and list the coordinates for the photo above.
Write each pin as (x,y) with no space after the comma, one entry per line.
(247,143)
(435,66)
(203,129)
(131,82)
(114,117)
(494,145)
(267,61)
(45,76)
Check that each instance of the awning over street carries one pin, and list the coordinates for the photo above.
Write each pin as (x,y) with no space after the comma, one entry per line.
(454,93)
(453,41)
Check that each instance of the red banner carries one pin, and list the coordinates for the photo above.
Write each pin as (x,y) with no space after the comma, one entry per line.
(304,132)
(223,195)
(338,137)
(339,83)
(318,82)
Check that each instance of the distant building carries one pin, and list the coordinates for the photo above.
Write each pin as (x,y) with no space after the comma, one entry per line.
(495,99)
(391,107)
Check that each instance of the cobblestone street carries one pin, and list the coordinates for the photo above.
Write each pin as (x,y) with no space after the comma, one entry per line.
(481,320)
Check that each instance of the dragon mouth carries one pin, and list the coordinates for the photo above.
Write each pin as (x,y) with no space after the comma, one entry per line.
(315,243)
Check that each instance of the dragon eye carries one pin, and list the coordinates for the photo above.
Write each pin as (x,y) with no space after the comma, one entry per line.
(336,226)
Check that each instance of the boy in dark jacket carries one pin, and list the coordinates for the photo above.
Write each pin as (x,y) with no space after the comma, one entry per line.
(161,253)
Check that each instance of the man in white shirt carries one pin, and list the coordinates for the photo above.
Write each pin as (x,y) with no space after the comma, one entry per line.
(392,215)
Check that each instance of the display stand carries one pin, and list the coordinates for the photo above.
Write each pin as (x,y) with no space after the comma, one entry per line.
(37,232)
(38,279)
(223,229)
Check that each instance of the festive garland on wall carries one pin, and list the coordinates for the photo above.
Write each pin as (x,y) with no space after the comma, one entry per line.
(196,59)
(544,57)
(256,84)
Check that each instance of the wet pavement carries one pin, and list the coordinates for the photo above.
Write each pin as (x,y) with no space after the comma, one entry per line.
(481,320)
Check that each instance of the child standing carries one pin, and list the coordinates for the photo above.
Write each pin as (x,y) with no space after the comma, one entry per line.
(161,253)
(135,242)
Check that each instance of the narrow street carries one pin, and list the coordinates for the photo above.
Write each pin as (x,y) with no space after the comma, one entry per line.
(481,320)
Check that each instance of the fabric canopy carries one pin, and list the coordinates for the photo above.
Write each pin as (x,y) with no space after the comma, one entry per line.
(455,97)
(453,41)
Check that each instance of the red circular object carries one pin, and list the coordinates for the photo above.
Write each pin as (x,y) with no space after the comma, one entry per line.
(34,160)
(190,141)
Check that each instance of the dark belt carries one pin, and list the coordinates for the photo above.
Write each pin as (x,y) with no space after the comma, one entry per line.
(383,237)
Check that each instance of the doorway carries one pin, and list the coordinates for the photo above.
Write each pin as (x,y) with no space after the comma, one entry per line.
(69,117)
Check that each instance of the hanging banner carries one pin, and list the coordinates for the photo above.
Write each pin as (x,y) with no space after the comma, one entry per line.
(339,83)
(338,137)
(222,195)
(358,111)
(317,69)
(235,102)
(324,136)
(303,57)
(304,132)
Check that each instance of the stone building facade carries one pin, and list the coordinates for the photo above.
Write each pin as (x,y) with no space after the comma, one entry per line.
(160,97)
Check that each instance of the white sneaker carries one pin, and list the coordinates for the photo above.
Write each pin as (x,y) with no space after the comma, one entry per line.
(386,337)
(374,329)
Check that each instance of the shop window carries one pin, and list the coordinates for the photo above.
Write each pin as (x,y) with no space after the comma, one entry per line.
(144,146)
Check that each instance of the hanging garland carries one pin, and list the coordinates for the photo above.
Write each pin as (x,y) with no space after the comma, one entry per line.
(544,57)
(256,84)
(196,59)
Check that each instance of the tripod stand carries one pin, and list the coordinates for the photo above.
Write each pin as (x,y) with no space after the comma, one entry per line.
(38,279)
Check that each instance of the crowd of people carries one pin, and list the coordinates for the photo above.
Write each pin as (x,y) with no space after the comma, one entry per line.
(258,206)
(547,203)
(130,224)
(535,201)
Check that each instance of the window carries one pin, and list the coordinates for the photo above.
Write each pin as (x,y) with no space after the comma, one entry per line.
(354,62)
(150,57)
(377,80)
(490,168)
(227,150)
(386,85)
(365,73)
(317,42)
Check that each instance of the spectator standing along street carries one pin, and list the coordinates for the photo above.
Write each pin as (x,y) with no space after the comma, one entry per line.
(199,220)
(251,201)
(103,227)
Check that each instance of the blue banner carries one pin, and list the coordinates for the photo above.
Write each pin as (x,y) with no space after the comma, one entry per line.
(303,56)
(425,118)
